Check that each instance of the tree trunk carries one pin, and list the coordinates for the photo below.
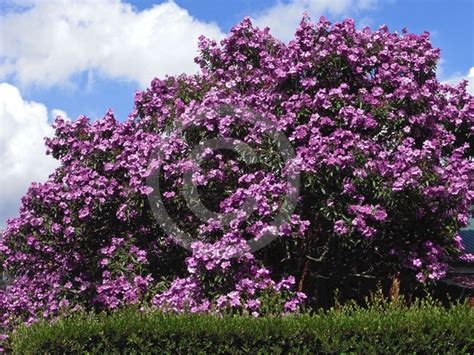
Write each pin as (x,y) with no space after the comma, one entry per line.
(304,274)
(395,287)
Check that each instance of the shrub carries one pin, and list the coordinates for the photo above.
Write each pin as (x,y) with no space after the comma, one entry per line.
(381,149)
(382,328)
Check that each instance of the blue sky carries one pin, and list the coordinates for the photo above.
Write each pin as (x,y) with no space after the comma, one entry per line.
(83,57)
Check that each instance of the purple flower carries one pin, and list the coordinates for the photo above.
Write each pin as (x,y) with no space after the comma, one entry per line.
(339,227)
(417,263)
(83,213)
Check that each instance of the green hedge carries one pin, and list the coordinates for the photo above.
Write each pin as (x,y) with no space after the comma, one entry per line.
(381,328)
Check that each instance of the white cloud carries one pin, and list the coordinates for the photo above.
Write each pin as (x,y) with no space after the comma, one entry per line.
(23,126)
(456,78)
(283,18)
(57,112)
(55,39)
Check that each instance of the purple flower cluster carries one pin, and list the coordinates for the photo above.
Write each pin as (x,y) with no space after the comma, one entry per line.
(428,263)
(381,146)
(225,275)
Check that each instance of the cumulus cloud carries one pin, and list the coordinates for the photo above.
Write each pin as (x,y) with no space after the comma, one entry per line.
(24,124)
(283,18)
(456,78)
(57,112)
(50,41)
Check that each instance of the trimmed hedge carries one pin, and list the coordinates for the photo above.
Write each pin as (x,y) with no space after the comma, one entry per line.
(381,328)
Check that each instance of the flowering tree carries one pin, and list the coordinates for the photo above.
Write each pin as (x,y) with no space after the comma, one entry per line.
(379,147)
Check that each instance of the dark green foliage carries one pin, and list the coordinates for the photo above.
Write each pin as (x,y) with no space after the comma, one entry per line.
(383,327)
